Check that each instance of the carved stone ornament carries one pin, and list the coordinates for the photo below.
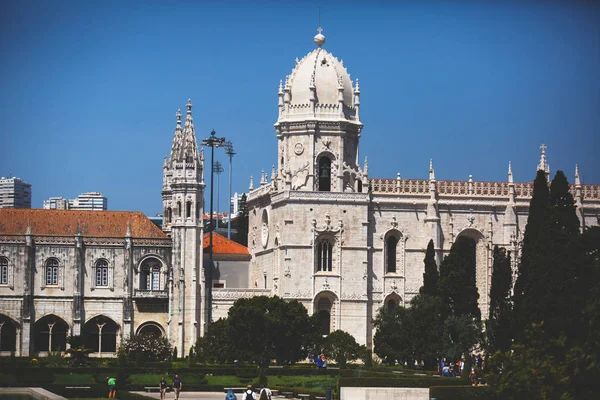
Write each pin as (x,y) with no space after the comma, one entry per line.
(394,223)
(298,149)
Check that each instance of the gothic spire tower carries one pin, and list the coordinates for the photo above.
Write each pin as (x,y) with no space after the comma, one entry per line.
(183,194)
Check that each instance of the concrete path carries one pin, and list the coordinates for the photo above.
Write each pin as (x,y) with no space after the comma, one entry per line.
(189,395)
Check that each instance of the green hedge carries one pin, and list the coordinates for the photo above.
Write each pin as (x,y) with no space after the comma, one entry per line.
(403,381)
(462,393)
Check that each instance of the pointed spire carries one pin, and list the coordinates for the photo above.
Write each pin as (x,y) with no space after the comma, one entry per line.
(510,174)
(431,170)
(577,180)
(28,230)
(273,172)
(263,178)
(251,186)
(543,165)
(366,166)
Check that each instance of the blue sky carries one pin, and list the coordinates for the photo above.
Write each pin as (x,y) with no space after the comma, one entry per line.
(89,89)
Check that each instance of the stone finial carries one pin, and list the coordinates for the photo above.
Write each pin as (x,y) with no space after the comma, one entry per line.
(319,37)
(471,178)
(165,162)
(577,180)
(178,116)
(280,92)
(543,165)
(431,170)
(189,106)
(251,187)
(366,166)
(273,172)
(510,174)
(128,232)
(28,230)
(357,87)
(263,178)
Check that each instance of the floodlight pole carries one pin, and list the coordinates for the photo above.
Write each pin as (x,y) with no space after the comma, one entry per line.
(211,142)
(229,151)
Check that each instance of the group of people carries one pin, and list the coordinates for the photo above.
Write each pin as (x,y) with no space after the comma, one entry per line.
(320,360)
(455,368)
(176,385)
(250,394)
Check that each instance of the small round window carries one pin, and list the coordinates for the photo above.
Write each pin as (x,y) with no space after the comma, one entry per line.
(265,228)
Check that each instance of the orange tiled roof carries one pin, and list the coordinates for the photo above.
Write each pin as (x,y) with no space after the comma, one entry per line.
(65,222)
(222,245)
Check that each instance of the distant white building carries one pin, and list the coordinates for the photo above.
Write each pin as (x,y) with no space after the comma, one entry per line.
(14,193)
(234,204)
(89,201)
(56,203)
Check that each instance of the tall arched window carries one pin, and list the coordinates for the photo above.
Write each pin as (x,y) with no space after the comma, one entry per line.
(52,272)
(179,209)
(188,209)
(150,275)
(324,174)
(169,214)
(3,271)
(101,273)
(324,250)
(391,244)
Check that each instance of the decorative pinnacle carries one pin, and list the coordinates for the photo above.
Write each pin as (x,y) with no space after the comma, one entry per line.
(280,86)
(356,87)
(543,165)
(510,175)
(471,178)
(319,37)
(577,180)
(431,170)
(189,106)
(251,186)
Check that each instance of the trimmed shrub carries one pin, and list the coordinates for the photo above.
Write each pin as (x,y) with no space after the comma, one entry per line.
(462,393)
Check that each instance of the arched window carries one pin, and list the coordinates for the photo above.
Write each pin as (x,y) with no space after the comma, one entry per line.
(150,275)
(150,329)
(359,186)
(179,209)
(100,335)
(101,273)
(188,209)
(324,250)
(391,304)
(169,214)
(324,174)
(52,272)
(50,334)
(391,244)
(8,334)
(3,271)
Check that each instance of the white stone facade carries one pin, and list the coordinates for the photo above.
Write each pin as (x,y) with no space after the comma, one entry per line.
(321,231)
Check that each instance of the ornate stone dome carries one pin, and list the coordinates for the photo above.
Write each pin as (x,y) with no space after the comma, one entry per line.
(320,70)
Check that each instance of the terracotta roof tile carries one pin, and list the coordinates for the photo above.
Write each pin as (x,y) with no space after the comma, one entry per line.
(222,245)
(65,222)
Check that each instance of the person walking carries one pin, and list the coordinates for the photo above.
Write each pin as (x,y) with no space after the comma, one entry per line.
(230,395)
(177,386)
(249,394)
(163,388)
(265,394)
(112,387)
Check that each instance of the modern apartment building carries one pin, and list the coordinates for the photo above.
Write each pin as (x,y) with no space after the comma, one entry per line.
(56,203)
(14,193)
(89,201)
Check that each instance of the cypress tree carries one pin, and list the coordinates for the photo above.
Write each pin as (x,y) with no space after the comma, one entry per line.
(498,324)
(531,248)
(457,286)
(431,274)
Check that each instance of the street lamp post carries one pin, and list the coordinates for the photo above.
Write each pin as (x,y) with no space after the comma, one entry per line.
(218,168)
(229,151)
(211,142)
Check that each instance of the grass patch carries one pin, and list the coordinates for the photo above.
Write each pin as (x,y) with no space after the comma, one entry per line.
(154,379)
(225,381)
(74,379)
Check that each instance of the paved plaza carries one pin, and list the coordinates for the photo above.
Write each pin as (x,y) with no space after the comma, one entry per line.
(189,395)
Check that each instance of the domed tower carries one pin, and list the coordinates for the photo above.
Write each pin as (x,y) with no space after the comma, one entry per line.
(318,127)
